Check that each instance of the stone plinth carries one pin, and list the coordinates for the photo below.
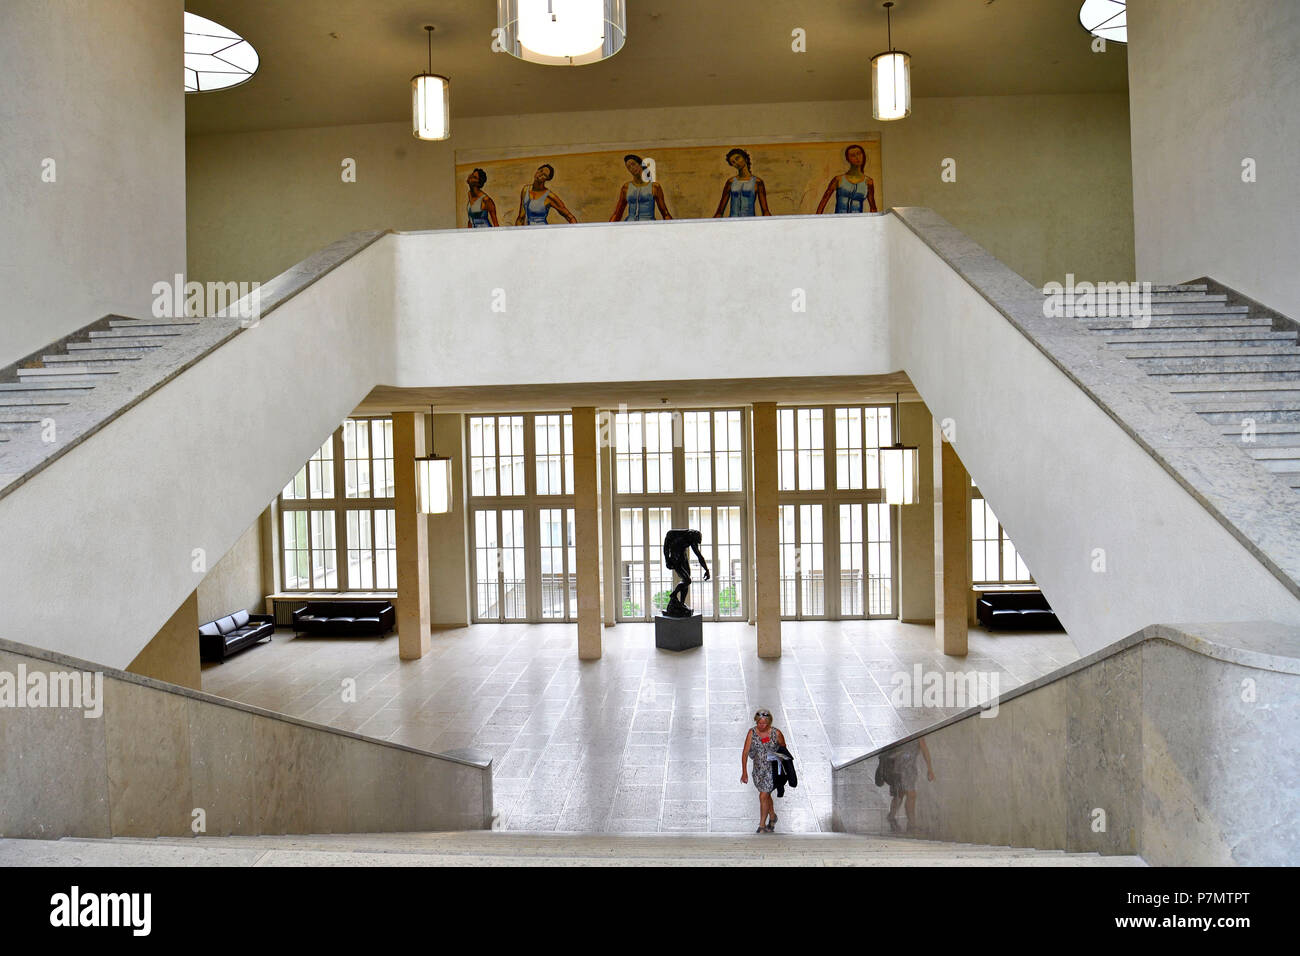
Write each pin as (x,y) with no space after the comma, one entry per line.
(679,633)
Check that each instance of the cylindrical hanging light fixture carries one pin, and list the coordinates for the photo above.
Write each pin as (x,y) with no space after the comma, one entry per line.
(433,479)
(891,78)
(430,101)
(898,467)
(561,32)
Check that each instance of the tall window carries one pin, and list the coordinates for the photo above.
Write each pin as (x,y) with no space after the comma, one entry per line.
(994,559)
(337,520)
(834,525)
(680,469)
(522,517)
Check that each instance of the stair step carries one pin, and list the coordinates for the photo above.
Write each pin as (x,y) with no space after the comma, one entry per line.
(1267,354)
(93,361)
(116,346)
(1278,393)
(154,323)
(1188,287)
(136,334)
(1292,478)
(1157,323)
(1179,308)
(1157,312)
(1286,439)
(1183,295)
(41,409)
(154,341)
(1218,376)
(1205,350)
(95,355)
(1184,391)
(73,373)
(1243,338)
(1234,413)
(48,389)
(13,429)
(1269,454)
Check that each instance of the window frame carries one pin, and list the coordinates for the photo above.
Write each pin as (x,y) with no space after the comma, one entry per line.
(337,506)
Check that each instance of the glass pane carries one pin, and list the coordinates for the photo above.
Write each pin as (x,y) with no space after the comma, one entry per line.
(880,566)
(515,593)
(486,567)
(700,597)
(728,568)
(661,579)
(812,561)
(632,559)
(789,561)
(852,583)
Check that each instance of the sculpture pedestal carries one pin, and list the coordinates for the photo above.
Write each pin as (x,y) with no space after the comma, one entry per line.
(679,633)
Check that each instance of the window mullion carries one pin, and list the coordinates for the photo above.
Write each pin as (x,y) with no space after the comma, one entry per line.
(339,506)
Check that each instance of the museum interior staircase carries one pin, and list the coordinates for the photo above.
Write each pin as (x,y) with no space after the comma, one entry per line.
(1235,363)
(173,435)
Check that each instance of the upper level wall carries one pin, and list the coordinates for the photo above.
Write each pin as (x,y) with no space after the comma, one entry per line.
(1214,84)
(96,89)
(1025,188)
(687,299)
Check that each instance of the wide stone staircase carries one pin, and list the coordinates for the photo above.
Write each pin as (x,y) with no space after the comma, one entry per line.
(56,383)
(1234,364)
(495,848)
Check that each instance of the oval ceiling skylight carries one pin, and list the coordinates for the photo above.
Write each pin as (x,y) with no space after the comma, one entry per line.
(1106,19)
(215,58)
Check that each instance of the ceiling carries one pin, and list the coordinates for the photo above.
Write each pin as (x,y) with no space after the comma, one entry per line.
(680,393)
(339,62)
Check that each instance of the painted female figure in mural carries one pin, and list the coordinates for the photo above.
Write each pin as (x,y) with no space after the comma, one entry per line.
(640,197)
(480,211)
(745,190)
(853,188)
(537,201)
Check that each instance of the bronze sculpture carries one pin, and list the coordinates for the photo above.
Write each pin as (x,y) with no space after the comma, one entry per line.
(676,543)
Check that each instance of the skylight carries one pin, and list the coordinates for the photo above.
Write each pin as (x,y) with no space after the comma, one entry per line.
(215,58)
(1106,19)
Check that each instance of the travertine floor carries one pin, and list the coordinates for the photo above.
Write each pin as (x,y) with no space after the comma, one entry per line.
(642,740)
(479,848)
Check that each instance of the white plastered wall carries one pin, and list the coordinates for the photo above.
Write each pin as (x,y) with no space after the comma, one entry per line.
(95,89)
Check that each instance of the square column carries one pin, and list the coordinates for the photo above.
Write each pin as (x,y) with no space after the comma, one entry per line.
(952,581)
(767,534)
(413,607)
(586,529)
(916,549)
(609,558)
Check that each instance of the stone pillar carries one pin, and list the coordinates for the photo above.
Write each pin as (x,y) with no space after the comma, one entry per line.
(449,569)
(586,526)
(767,535)
(952,581)
(413,610)
(916,550)
(609,556)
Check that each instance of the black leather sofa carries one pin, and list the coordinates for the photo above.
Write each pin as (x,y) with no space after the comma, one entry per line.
(344,618)
(228,635)
(1022,611)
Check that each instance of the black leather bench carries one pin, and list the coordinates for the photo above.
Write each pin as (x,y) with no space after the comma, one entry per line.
(228,635)
(344,618)
(1016,610)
